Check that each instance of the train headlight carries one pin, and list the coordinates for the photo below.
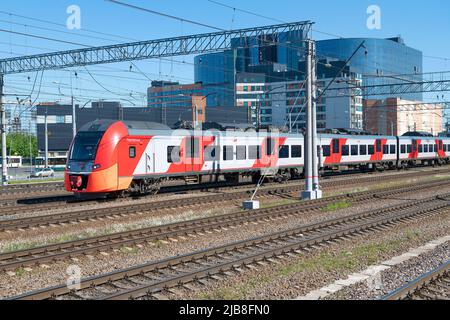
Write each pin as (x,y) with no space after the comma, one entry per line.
(96,167)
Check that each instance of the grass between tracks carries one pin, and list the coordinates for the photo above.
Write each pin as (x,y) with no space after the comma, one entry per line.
(341,261)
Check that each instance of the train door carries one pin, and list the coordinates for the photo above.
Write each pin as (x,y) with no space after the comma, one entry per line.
(192,154)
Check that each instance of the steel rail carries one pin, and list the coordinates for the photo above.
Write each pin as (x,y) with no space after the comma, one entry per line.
(126,210)
(154,277)
(55,252)
(417,288)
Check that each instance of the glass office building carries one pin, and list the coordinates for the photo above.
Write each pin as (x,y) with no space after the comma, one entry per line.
(384,61)
(267,54)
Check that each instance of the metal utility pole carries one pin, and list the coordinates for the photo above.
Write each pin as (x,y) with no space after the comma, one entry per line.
(312,189)
(315,144)
(3,130)
(46,138)
(31,150)
(74,118)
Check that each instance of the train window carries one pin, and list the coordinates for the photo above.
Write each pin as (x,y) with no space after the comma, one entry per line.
(173,154)
(410,148)
(354,150)
(378,145)
(132,152)
(241,153)
(371,150)
(345,150)
(403,148)
(392,149)
(434,148)
(228,153)
(254,152)
(326,151)
(296,151)
(385,149)
(212,153)
(363,150)
(425,148)
(270,147)
(420,148)
(283,153)
(336,146)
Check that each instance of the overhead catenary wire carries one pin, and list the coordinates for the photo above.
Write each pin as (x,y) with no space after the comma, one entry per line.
(165,15)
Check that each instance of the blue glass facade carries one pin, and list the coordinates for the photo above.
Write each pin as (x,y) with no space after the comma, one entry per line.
(269,54)
(383,58)
(216,72)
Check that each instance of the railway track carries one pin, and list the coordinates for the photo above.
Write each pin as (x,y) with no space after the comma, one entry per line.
(434,285)
(214,199)
(60,202)
(149,280)
(31,188)
(51,253)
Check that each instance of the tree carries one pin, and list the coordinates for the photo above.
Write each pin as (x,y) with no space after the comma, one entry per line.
(18,144)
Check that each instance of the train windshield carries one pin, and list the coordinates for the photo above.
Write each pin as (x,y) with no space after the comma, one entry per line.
(85,146)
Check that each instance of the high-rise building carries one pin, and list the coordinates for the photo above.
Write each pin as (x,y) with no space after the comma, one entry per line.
(282,103)
(380,61)
(269,55)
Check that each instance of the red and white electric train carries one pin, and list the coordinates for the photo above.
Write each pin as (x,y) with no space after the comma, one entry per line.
(113,157)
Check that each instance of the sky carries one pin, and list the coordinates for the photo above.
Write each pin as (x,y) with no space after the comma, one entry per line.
(424,25)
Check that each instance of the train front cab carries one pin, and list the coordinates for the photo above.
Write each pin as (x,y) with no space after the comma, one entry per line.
(93,158)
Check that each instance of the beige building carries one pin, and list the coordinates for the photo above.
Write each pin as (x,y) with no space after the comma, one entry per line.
(394,116)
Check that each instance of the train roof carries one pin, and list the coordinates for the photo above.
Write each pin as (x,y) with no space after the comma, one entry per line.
(141,128)
(104,124)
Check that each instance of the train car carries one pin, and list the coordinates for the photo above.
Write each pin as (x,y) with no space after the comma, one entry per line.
(423,150)
(355,151)
(114,156)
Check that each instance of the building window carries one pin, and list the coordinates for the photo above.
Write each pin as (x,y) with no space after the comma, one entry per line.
(132,152)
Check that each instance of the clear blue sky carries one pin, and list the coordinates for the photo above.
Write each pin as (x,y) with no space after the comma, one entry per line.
(425,25)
